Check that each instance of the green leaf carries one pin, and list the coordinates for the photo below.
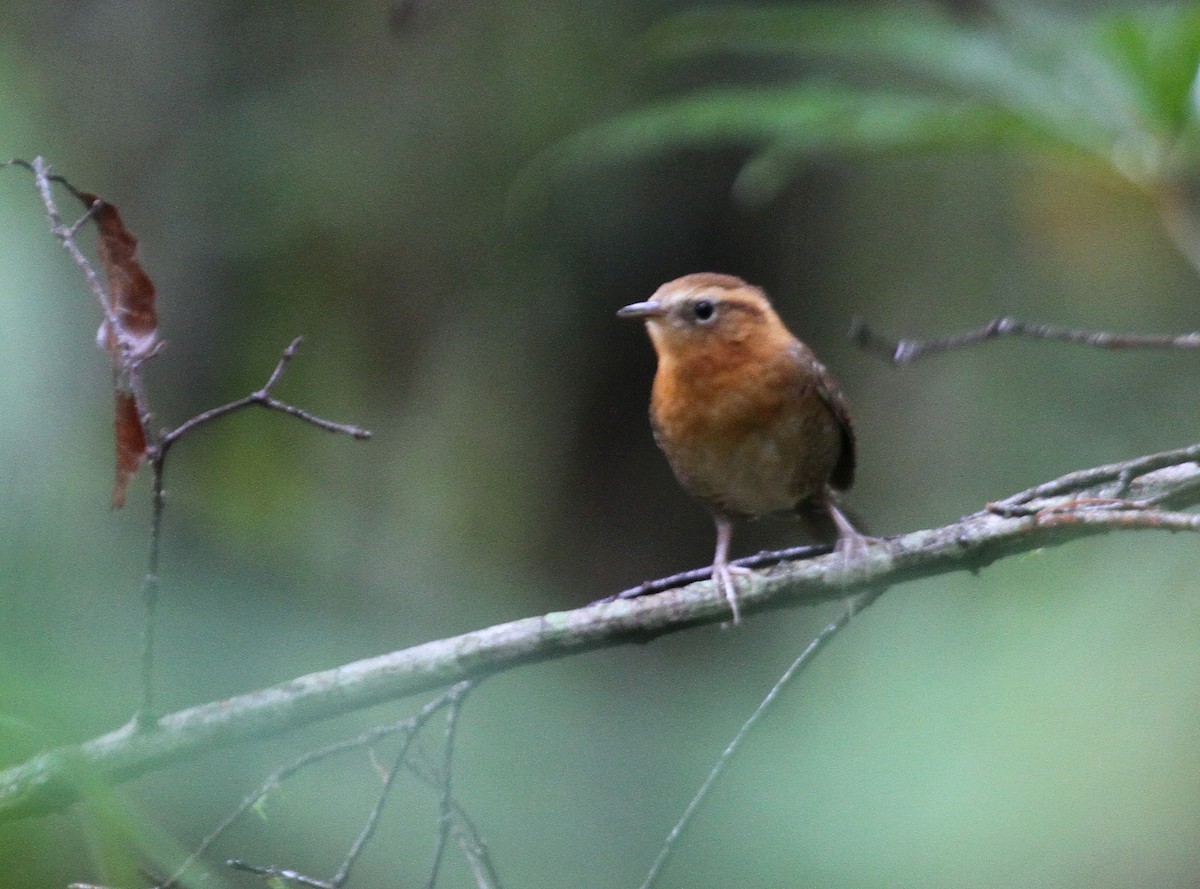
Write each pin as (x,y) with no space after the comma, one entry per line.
(786,126)
(260,808)
(1156,53)
(968,61)
(1048,70)
(1120,87)
(814,116)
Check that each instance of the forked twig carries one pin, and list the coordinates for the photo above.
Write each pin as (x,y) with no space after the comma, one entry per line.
(464,830)
(446,797)
(264,398)
(409,726)
(451,700)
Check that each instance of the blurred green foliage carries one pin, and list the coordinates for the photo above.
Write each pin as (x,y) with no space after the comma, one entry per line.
(451,215)
(1118,86)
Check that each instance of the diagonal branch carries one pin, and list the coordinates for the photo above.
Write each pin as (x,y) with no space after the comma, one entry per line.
(1138,494)
(901,352)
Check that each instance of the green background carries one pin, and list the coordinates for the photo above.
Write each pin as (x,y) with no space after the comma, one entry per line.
(303,169)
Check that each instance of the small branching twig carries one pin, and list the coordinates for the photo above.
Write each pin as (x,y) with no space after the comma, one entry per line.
(264,398)
(901,352)
(446,797)
(452,702)
(158,459)
(45,179)
(372,822)
(465,832)
(474,849)
(1114,480)
(409,727)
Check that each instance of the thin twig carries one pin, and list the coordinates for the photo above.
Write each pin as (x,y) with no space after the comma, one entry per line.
(466,832)
(263,397)
(410,726)
(146,712)
(372,822)
(270,871)
(44,179)
(446,799)
(819,641)
(901,352)
(452,700)
(126,377)
(158,455)
(758,560)
(1095,478)
(475,850)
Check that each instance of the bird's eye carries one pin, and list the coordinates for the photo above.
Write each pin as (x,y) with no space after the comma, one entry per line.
(704,309)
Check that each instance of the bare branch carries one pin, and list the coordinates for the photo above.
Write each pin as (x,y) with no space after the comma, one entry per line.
(264,398)
(446,801)
(901,352)
(47,782)
(158,462)
(759,560)
(453,700)
(44,179)
(279,873)
(466,834)
(1114,481)
(476,853)
(409,726)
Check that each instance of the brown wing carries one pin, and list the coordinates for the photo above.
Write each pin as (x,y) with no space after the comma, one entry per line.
(842,476)
(843,472)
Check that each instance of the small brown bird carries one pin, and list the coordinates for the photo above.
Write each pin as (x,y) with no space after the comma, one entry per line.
(751,422)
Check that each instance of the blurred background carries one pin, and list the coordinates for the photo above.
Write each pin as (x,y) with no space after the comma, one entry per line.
(450,204)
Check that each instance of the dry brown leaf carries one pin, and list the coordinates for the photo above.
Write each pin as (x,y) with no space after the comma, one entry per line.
(131,445)
(129,286)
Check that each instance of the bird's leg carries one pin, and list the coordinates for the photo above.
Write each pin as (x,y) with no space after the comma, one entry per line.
(722,571)
(852,545)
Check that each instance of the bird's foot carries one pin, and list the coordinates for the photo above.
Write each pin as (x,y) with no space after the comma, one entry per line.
(853,549)
(853,545)
(723,576)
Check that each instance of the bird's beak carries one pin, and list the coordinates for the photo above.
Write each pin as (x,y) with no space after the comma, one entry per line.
(642,311)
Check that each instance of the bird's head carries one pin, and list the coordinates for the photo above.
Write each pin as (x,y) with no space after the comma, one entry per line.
(705,311)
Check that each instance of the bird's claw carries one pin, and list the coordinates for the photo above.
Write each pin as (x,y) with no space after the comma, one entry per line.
(723,579)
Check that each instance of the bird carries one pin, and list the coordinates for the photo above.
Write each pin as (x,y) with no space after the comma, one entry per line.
(749,419)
